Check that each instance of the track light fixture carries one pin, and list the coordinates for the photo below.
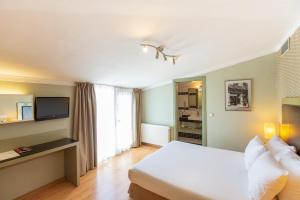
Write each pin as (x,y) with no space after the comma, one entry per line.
(159,51)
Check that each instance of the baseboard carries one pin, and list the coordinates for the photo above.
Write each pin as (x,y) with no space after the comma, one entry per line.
(153,145)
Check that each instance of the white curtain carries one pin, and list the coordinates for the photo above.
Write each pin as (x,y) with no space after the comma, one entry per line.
(114,120)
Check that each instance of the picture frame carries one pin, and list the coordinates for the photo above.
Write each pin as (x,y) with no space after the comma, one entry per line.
(24,111)
(238,95)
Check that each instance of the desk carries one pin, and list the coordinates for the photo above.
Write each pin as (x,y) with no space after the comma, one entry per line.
(71,157)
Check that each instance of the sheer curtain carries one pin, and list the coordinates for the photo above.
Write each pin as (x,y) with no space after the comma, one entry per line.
(114,120)
(124,109)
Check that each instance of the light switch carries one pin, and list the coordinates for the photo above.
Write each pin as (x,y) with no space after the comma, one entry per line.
(211,114)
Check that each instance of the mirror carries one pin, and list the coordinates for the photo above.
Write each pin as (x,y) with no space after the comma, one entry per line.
(15,108)
(193,97)
(200,97)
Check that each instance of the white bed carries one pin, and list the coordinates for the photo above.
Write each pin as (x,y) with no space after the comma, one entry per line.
(182,171)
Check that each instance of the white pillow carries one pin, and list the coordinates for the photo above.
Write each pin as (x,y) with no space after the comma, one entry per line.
(291,162)
(278,147)
(253,150)
(266,178)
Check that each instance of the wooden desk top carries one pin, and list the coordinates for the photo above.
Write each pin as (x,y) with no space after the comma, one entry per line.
(40,150)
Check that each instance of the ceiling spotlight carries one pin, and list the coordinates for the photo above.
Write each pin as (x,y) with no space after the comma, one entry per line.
(159,50)
(157,54)
(173,58)
(165,57)
(145,49)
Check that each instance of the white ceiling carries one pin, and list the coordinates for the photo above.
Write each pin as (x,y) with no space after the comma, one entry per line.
(98,41)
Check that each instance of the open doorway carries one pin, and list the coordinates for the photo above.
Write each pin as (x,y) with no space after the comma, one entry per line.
(190,110)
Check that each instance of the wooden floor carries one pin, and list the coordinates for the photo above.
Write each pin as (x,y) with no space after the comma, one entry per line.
(108,182)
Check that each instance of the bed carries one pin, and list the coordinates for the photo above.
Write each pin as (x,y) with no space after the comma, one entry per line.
(186,171)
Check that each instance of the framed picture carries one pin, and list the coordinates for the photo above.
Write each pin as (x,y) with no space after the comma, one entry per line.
(25,111)
(238,95)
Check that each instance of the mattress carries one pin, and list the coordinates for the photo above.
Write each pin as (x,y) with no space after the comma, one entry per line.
(182,171)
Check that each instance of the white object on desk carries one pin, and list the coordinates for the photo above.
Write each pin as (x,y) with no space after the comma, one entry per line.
(3,118)
(8,155)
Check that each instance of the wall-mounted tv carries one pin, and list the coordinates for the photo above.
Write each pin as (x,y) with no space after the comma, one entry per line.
(47,108)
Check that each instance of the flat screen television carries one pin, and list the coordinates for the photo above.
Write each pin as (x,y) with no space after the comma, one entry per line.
(47,108)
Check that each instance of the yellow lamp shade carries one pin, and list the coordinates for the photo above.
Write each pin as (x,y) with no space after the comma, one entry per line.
(285,131)
(269,130)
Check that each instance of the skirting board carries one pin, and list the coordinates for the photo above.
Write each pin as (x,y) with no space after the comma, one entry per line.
(153,145)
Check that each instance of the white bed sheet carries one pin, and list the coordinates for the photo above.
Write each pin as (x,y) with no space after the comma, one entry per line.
(182,171)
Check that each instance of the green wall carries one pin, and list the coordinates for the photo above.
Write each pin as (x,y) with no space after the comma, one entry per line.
(157,106)
(226,129)
(233,129)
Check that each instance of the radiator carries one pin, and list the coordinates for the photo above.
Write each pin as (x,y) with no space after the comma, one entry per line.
(155,134)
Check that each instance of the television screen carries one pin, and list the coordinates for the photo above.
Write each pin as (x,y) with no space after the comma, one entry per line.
(51,108)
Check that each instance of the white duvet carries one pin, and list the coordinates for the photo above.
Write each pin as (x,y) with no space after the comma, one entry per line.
(182,171)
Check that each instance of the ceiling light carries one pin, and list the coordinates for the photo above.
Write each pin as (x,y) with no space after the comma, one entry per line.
(157,54)
(165,57)
(160,50)
(145,49)
(174,60)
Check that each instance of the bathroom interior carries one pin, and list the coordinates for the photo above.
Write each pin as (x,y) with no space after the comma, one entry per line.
(189,99)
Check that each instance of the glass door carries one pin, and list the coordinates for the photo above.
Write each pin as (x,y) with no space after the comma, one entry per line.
(114,120)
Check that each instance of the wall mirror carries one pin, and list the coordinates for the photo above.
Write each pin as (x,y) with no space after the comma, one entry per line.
(193,97)
(15,108)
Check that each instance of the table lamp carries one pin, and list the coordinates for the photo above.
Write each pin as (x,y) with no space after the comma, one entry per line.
(285,131)
(269,130)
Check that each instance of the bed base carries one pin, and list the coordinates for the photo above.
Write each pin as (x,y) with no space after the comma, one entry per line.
(136,192)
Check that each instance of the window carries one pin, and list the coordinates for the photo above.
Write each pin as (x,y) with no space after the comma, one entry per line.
(114,120)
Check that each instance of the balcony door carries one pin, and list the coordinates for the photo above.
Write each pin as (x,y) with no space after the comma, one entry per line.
(114,120)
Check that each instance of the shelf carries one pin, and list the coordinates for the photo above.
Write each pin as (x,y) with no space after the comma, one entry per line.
(182,93)
(190,130)
(186,93)
(189,108)
(183,108)
(190,140)
(16,122)
(196,136)
(181,119)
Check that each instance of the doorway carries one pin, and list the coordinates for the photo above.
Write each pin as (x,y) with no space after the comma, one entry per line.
(190,110)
